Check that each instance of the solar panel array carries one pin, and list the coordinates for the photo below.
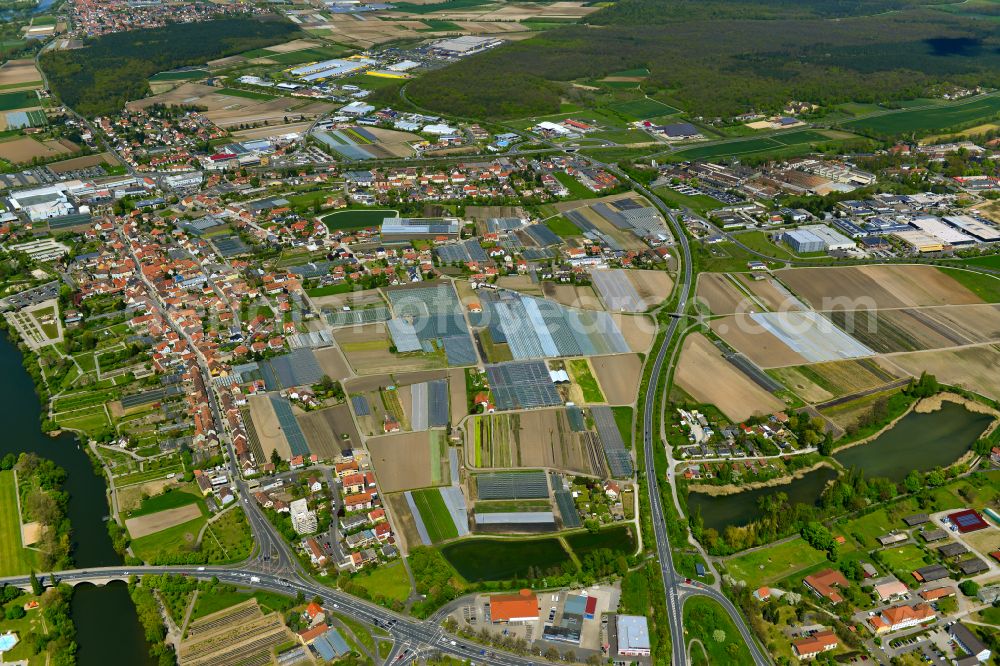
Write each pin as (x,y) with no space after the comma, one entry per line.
(404,336)
(539,328)
(522,385)
(361,406)
(542,235)
(460,351)
(297,368)
(437,403)
(619,460)
(567,509)
(512,485)
(289,426)
(354,317)
(469,250)
(434,311)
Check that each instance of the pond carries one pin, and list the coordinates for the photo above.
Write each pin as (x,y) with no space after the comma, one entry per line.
(356,219)
(618,538)
(920,441)
(497,559)
(720,511)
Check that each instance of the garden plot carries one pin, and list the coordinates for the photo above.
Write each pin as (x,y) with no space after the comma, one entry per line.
(811,335)
(330,431)
(409,460)
(619,377)
(161,520)
(541,438)
(708,377)
(875,287)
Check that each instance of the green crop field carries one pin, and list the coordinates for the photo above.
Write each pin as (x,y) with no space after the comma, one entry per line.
(447,5)
(983,285)
(640,109)
(356,219)
(305,55)
(575,187)
(13,558)
(786,143)
(173,541)
(164,501)
(928,120)
(435,514)
(248,94)
(18,100)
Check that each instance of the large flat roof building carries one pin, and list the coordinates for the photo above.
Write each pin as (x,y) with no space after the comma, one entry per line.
(633,635)
(419,228)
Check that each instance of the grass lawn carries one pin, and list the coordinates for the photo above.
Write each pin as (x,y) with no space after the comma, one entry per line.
(986,287)
(773,563)
(228,539)
(903,560)
(31,623)
(575,187)
(13,558)
(640,109)
(211,603)
(707,621)
(989,261)
(865,529)
(562,227)
(330,290)
(584,378)
(360,630)
(176,540)
(435,514)
(356,219)
(700,203)
(388,580)
(758,240)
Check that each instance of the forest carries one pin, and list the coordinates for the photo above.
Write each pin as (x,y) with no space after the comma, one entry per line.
(760,64)
(110,70)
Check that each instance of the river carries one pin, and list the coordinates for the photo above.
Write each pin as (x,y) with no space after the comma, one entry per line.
(92,607)
(920,441)
(720,511)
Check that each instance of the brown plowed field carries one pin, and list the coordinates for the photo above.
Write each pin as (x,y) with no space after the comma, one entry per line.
(760,345)
(855,287)
(325,430)
(720,295)
(161,520)
(402,461)
(710,378)
(619,377)
(973,368)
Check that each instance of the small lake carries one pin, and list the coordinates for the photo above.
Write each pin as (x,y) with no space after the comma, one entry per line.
(498,559)
(720,511)
(920,441)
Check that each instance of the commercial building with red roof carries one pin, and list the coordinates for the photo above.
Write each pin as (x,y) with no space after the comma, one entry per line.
(824,583)
(520,607)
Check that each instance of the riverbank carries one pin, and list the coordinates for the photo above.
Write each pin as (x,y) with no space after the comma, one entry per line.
(733,489)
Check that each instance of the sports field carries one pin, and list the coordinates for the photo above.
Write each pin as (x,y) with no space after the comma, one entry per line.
(930,119)
(13,558)
(435,514)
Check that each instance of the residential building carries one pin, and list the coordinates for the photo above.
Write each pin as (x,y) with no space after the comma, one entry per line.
(824,584)
(817,643)
(303,520)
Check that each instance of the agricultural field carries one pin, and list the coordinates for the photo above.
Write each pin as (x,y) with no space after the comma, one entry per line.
(644,108)
(20,74)
(972,368)
(708,377)
(720,295)
(434,514)
(574,296)
(824,381)
(329,431)
(539,438)
(875,287)
(936,117)
(783,144)
(768,565)
(917,329)
(25,149)
(367,350)
(409,460)
(356,219)
(618,376)
(22,99)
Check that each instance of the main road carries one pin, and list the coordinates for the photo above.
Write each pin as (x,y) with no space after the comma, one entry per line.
(674,584)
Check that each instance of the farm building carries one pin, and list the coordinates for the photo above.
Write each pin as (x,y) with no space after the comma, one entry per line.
(416,228)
